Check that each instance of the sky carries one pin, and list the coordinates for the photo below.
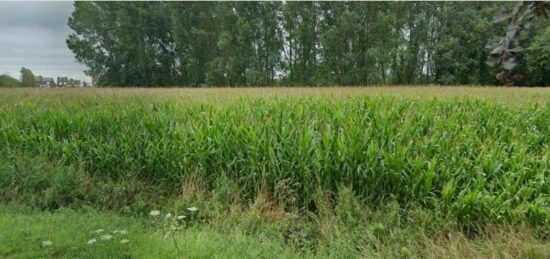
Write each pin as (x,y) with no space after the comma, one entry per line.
(32,35)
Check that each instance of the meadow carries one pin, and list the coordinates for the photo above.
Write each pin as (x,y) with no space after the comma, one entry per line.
(293,172)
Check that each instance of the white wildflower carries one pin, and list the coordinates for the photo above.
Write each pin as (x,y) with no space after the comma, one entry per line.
(47,243)
(180,217)
(91,241)
(123,232)
(99,231)
(115,231)
(154,213)
(106,237)
(124,241)
(168,215)
(192,209)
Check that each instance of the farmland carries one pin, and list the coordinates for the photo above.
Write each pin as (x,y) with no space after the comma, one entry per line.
(308,172)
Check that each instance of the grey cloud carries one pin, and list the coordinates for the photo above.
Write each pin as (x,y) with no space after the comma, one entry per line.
(33,34)
(47,15)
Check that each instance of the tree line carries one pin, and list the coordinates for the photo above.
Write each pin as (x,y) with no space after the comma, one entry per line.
(27,79)
(297,43)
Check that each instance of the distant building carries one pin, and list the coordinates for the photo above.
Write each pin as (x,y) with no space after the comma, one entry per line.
(62,81)
(67,82)
(45,81)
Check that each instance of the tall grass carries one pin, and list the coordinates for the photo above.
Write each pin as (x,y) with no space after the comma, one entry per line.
(474,160)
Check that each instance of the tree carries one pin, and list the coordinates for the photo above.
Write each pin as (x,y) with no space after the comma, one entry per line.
(8,81)
(124,44)
(194,39)
(301,23)
(27,78)
(538,59)
(305,43)
(93,40)
(506,51)
(458,52)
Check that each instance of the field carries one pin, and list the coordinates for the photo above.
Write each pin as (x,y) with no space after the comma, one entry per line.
(293,172)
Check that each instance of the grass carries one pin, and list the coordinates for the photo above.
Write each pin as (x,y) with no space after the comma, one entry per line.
(301,172)
(70,230)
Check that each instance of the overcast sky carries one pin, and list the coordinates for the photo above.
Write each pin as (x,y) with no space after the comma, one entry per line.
(32,35)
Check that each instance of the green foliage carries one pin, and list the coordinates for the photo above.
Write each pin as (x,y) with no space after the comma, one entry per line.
(27,78)
(299,177)
(461,58)
(232,234)
(461,155)
(70,232)
(166,44)
(40,183)
(505,53)
(8,81)
(295,43)
(538,59)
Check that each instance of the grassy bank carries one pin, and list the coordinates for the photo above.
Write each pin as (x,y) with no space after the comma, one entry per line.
(337,172)
(83,234)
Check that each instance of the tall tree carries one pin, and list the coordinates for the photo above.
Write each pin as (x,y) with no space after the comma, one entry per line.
(27,78)
(302,43)
(538,59)
(301,21)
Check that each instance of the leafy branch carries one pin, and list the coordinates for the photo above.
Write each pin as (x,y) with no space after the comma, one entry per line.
(519,19)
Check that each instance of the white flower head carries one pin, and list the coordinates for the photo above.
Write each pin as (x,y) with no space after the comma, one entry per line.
(168,215)
(99,231)
(47,243)
(106,237)
(192,209)
(154,213)
(115,231)
(180,217)
(91,241)
(123,232)
(124,241)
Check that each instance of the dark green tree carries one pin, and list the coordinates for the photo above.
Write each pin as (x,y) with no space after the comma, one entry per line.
(538,59)
(8,81)
(506,53)
(302,43)
(301,23)
(27,78)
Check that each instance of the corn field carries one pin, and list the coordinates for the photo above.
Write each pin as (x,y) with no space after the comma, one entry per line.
(469,158)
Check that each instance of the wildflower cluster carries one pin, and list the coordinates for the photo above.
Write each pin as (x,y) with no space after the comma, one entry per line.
(101,234)
(105,236)
(47,243)
(172,222)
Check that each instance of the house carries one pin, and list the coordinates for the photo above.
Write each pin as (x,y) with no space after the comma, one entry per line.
(45,81)
(62,81)
(67,82)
